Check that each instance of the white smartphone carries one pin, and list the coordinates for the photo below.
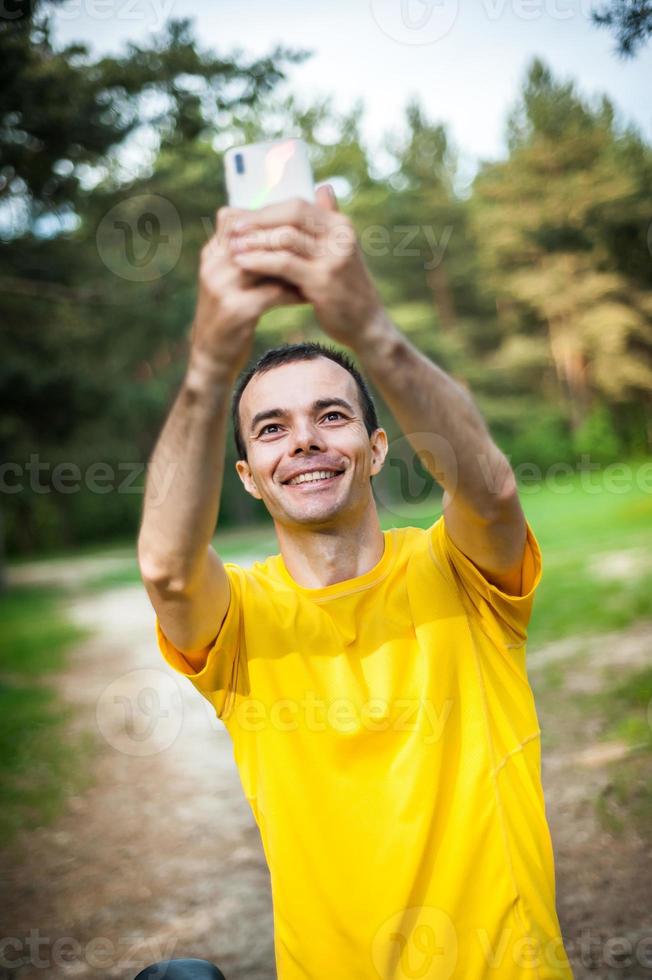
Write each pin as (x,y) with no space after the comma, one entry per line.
(258,174)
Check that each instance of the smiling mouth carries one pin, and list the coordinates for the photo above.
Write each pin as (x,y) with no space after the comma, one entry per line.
(320,478)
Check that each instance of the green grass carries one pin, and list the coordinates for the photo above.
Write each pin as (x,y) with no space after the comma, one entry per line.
(40,765)
(623,710)
(573,525)
(573,530)
(626,708)
(35,634)
(124,548)
(116,578)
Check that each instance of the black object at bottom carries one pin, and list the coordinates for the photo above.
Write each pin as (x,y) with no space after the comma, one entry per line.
(181,970)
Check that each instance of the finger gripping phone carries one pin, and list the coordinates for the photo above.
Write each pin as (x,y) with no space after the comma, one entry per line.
(258,174)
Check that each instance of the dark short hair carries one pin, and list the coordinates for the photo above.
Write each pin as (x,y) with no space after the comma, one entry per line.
(285,354)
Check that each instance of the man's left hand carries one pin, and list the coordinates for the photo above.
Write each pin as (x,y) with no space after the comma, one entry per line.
(314,247)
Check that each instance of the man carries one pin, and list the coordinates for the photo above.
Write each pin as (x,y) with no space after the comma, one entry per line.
(373,683)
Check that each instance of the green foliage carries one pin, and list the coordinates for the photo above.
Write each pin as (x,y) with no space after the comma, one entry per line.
(630,20)
(63,111)
(541,440)
(533,290)
(548,219)
(92,352)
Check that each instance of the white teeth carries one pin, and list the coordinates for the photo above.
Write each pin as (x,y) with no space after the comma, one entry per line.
(312,477)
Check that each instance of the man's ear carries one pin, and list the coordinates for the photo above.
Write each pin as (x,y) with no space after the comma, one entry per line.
(243,471)
(379,447)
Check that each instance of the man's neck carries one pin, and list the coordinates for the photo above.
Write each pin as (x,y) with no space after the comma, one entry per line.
(316,558)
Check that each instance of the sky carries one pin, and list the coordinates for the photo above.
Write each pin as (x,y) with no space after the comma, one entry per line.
(464,59)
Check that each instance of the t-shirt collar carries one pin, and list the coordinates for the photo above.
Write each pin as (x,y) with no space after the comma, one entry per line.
(349,585)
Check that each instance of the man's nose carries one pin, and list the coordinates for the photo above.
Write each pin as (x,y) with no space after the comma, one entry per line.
(306,437)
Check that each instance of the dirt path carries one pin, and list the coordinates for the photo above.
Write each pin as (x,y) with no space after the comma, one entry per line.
(161,856)
(604,880)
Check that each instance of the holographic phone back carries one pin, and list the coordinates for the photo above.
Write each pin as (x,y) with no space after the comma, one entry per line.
(266,173)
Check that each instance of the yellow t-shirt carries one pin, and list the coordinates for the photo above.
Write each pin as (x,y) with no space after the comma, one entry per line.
(387,740)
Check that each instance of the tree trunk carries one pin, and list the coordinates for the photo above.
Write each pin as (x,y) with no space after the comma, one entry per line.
(442,295)
(571,369)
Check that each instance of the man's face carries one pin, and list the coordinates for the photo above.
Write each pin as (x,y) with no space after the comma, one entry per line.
(305,417)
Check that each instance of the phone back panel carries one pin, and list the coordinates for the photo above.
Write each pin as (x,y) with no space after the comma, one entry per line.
(266,173)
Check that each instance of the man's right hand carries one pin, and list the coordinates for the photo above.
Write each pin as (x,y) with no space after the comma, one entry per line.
(229,304)
(184,577)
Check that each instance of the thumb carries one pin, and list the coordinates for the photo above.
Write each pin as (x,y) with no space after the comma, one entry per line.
(325,198)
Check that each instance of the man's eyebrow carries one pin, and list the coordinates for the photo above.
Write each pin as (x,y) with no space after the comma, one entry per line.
(280,413)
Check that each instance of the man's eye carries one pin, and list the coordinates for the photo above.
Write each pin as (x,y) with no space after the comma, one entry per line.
(274,425)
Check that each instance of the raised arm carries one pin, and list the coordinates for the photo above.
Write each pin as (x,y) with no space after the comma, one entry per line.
(319,253)
(183,575)
(481,506)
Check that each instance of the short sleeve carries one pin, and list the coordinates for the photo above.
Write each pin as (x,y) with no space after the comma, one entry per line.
(217,679)
(488,603)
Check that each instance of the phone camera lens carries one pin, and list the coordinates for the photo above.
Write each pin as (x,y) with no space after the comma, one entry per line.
(239,163)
